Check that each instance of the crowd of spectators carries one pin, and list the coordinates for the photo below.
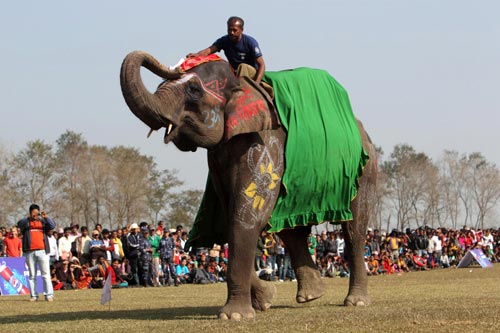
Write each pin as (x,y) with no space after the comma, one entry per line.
(152,255)
(135,256)
(420,249)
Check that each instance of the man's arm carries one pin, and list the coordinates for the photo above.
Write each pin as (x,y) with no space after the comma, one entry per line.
(262,68)
(132,242)
(209,50)
(23,224)
(49,223)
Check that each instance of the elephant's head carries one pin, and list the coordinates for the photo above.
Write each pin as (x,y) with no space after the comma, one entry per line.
(202,107)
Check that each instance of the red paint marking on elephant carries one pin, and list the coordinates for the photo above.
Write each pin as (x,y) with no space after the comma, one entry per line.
(242,98)
(246,108)
(217,87)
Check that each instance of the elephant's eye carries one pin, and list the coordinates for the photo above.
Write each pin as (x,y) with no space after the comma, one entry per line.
(194,91)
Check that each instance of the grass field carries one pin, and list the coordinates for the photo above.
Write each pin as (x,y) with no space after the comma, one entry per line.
(449,300)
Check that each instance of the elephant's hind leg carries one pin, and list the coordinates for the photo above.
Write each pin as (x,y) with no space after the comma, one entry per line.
(358,279)
(310,286)
(355,235)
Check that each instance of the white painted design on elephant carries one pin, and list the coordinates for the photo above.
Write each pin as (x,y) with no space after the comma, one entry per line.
(212,117)
(183,79)
(261,192)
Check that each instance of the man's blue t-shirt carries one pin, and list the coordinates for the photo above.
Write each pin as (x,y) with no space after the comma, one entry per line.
(246,50)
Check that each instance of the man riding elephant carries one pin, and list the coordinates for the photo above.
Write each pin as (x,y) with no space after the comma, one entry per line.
(242,51)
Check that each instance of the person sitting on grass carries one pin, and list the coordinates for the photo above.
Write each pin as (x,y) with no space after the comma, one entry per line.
(420,262)
(82,276)
(445,260)
(387,265)
(182,271)
(344,270)
(126,270)
(373,265)
(56,284)
(401,264)
(64,275)
(99,273)
(114,271)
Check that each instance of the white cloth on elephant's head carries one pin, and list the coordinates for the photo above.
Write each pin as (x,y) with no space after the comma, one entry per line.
(177,65)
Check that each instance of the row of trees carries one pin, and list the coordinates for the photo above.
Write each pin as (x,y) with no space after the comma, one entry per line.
(87,184)
(454,191)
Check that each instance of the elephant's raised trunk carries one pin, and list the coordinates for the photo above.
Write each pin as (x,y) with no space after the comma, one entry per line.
(146,106)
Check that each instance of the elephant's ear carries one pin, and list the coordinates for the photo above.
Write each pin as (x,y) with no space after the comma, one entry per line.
(250,109)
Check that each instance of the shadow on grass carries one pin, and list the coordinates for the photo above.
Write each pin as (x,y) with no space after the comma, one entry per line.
(180,313)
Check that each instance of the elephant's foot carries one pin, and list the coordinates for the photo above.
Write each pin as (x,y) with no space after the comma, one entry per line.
(310,285)
(354,299)
(262,295)
(236,311)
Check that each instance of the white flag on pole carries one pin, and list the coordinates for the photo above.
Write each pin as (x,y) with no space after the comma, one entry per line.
(106,291)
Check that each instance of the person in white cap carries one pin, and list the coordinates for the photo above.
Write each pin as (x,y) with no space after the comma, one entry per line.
(133,251)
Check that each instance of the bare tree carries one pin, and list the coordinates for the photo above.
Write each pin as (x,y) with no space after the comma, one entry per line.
(453,186)
(131,174)
(70,158)
(9,196)
(35,167)
(407,175)
(184,207)
(159,194)
(485,186)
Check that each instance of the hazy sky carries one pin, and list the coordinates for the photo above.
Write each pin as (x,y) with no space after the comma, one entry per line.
(424,73)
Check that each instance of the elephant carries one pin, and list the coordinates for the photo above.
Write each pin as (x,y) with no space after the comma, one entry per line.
(196,108)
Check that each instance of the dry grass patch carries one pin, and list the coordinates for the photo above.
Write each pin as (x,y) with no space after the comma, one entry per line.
(451,300)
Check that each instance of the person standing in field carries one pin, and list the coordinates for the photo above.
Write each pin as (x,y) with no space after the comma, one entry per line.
(35,230)
(13,244)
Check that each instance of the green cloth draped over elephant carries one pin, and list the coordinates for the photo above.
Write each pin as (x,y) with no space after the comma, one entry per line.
(208,107)
(324,159)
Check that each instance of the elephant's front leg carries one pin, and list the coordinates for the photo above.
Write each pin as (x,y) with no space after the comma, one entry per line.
(242,243)
(252,185)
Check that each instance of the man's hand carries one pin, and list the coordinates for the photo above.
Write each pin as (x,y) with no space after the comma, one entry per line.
(203,53)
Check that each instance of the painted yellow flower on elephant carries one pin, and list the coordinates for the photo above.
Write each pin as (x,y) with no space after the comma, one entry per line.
(252,191)
(274,176)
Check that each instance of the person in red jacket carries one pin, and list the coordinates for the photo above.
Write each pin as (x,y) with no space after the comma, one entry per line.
(36,248)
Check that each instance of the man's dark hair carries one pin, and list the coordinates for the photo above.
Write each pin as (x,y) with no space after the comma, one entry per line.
(33,207)
(234,20)
(84,228)
(67,229)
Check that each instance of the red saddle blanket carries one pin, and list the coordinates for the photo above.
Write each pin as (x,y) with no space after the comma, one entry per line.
(195,61)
